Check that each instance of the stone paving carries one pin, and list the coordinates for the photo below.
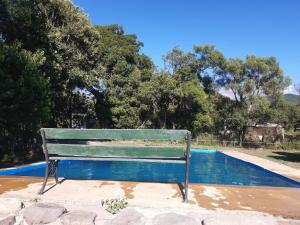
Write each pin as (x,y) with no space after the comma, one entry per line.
(34,213)
(276,201)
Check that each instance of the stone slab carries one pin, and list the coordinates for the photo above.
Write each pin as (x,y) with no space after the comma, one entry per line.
(78,217)
(43,213)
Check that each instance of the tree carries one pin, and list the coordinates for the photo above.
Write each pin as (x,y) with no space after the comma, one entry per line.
(57,54)
(255,83)
(169,102)
(192,110)
(158,101)
(202,63)
(125,69)
(222,109)
(70,44)
(285,113)
(24,102)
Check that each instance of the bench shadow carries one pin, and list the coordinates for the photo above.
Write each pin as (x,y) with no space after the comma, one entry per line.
(181,188)
(48,189)
(286,156)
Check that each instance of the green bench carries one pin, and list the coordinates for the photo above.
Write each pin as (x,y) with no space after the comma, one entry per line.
(74,144)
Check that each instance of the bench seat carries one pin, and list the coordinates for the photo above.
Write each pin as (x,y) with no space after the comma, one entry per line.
(117,151)
(177,161)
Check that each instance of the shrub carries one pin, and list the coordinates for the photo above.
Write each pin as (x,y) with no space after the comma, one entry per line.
(114,206)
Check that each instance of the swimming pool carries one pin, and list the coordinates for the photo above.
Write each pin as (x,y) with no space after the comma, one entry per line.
(207,167)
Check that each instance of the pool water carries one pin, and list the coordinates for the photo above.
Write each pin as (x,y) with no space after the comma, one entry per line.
(208,167)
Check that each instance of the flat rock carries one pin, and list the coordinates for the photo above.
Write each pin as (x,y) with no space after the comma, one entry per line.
(10,220)
(236,218)
(10,205)
(174,219)
(43,213)
(127,217)
(78,218)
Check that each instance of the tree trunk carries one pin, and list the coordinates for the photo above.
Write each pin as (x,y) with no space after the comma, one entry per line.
(70,110)
(241,139)
(165,119)
(242,136)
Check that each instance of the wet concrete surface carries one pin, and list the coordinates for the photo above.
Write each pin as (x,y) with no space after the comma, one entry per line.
(11,183)
(276,201)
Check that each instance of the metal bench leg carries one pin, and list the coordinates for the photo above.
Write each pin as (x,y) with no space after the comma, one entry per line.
(56,172)
(186,188)
(45,179)
(187,167)
(51,170)
(186,185)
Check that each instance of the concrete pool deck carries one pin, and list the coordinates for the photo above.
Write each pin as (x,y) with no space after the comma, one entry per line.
(160,197)
(280,205)
(276,201)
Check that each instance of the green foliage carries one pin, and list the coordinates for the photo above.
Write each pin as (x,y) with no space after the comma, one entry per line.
(252,77)
(114,206)
(158,101)
(69,42)
(169,102)
(125,69)
(256,84)
(285,113)
(123,100)
(23,98)
(69,60)
(192,111)
(202,63)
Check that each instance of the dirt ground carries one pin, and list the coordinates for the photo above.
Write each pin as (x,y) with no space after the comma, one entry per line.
(16,183)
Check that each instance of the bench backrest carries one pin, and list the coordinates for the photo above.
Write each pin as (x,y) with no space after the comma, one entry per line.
(56,145)
(115,134)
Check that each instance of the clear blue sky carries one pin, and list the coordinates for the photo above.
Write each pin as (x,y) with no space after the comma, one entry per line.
(236,27)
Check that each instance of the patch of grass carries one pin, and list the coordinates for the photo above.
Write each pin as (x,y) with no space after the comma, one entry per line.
(287,157)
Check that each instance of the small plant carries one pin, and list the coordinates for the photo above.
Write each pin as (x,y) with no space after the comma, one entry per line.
(113,206)
(35,200)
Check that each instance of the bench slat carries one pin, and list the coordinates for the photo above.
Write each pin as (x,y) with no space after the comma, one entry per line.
(116,151)
(179,161)
(115,134)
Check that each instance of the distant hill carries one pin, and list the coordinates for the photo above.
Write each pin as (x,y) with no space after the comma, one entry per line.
(291,98)
(294,99)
